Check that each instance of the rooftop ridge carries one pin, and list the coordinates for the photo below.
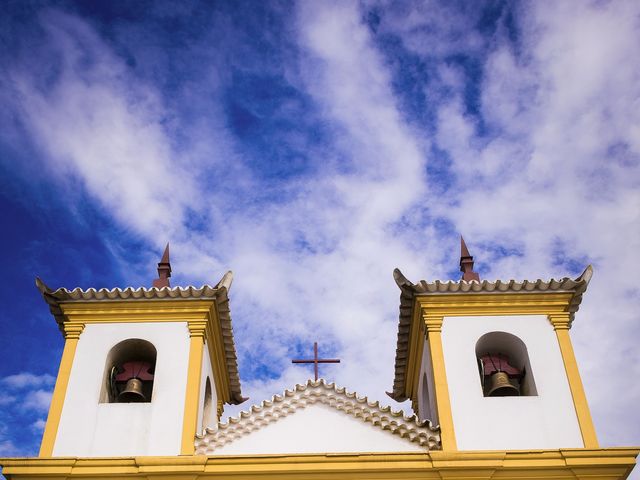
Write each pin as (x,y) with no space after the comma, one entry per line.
(311,392)
(554,283)
(92,293)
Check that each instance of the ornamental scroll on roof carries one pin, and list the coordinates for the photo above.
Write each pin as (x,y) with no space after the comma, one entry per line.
(469,285)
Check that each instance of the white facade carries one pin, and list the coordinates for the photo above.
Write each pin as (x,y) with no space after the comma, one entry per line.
(207,407)
(546,420)
(89,428)
(318,428)
(318,417)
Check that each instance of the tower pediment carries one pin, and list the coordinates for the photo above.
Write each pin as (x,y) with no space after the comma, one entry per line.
(318,417)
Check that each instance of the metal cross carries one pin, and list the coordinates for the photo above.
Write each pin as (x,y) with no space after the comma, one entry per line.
(315,360)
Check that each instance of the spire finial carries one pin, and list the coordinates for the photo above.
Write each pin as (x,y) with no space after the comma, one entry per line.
(466,263)
(164,270)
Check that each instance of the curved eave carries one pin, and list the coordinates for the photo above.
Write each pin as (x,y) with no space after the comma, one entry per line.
(409,291)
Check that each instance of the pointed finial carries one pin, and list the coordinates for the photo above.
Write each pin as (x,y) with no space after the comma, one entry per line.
(164,270)
(466,263)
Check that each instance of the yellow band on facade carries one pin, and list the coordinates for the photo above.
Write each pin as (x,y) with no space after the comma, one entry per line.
(192,396)
(443,401)
(72,336)
(561,325)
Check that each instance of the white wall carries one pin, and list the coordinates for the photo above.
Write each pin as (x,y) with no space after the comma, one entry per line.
(427,403)
(92,429)
(509,423)
(318,429)
(207,371)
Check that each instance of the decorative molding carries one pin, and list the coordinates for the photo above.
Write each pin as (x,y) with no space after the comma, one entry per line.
(433,322)
(192,394)
(564,464)
(197,329)
(269,411)
(72,330)
(560,321)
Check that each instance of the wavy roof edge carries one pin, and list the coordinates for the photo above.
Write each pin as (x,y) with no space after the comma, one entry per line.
(131,293)
(463,286)
(409,290)
(219,293)
(410,426)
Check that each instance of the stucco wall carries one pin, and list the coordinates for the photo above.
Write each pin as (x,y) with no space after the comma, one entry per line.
(91,429)
(318,429)
(547,420)
(207,371)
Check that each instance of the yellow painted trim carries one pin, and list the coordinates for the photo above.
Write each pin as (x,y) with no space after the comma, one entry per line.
(192,395)
(146,311)
(72,336)
(218,357)
(566,464)
(561,324)
(457,305)
(443,402)
(417,336)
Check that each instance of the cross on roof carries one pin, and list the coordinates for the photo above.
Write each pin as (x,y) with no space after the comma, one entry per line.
(315,360)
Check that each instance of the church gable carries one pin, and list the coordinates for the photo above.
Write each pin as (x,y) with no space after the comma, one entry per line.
(318,417)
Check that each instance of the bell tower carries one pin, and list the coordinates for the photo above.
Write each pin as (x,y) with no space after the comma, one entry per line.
(142,371)
(492,362)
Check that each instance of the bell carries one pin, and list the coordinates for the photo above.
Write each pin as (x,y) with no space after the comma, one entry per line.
(500,386)
(132,392)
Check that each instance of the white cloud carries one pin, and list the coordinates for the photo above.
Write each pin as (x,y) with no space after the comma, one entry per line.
(551,177)
(557,177)
(8,449)
(38,400)
(38,425)
(27,380)
(6,399)
(97,124)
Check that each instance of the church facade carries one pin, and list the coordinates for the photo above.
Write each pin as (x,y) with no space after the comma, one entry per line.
(488,366)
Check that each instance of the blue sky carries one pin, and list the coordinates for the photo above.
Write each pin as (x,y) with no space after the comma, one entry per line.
(312,147)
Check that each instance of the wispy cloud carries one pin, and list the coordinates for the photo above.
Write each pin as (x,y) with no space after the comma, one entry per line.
(313,149)
(26,379)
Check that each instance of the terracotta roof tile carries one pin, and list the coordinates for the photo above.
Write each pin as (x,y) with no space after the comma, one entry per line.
(421,432)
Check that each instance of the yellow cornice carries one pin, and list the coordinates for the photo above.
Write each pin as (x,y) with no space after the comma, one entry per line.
(449,305)
(416,346)
(569,464)
(147,311)
(217,356)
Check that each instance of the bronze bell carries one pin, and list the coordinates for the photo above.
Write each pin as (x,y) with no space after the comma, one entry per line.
(132,392)
(500,386)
